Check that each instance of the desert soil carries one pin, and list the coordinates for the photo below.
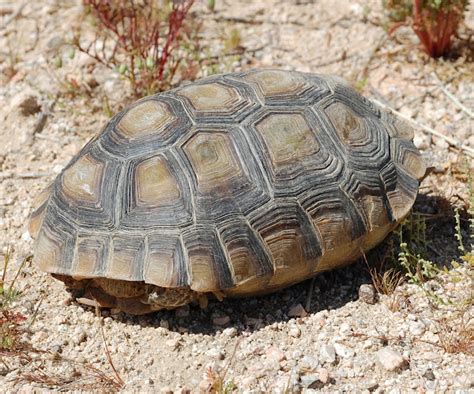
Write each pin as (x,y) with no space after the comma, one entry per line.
(393,343)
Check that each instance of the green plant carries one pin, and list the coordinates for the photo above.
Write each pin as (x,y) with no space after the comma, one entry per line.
(8,293)
(11,323)
(232,41)
(147,42)
(435,22)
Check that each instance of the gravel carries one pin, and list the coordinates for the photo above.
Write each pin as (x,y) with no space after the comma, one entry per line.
(345,337)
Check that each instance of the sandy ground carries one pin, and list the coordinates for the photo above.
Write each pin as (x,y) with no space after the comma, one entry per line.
(263,344)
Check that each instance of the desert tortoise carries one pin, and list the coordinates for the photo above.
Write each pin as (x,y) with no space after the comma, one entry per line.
(238,184)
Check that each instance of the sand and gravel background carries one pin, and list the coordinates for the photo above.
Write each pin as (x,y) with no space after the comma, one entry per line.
(378,343)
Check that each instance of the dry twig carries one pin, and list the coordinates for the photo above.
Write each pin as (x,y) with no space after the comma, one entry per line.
(452,97)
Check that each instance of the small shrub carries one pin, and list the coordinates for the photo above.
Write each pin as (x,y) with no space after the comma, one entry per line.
(11,322)
(435,22)
(148,42)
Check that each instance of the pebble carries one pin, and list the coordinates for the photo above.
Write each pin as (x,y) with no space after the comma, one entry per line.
(390,360)
(421,141)
(343,351)
(349,330)
(221,320)
(230,332)
(441,143)
(216,354)
(173,343)
(275,354)
(367,294)
(429,374)
(323,374)
(311,381)
(309,363)
(327,354)
(297,311)
(294,332)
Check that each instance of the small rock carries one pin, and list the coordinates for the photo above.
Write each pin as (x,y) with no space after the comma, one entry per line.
(166,390)
(216,354)
(327,354)
(345,329)
(29,106)
(309,363)
(367,294)
(275,354)
(221,320)
(164,324)
(310,381)
(343,351)
(172,343)
(390,359)
(429,374)
(78,337)
(417,328)
(205,386)
(441,143)
(230,332)
(294,332)
(323,375)
(370,385)
(297,311)
(421,141)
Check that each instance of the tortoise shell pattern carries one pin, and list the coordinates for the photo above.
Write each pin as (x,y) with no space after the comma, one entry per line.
(241,183)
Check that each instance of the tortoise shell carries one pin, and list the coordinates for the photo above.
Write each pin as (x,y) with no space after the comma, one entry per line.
(237,184)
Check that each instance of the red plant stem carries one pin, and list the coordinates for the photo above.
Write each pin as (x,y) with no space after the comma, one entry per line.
(436,27)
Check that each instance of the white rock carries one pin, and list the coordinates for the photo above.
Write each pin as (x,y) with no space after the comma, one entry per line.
(309,363)
(294,332)
(230,332)
(327,354)
(421,141)
(367,294)
(417,328)
(343,351)
(345,329)
(390,359)
(275,354)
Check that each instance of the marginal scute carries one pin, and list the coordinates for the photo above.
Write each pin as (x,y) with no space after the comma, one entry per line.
(39,212)
(126,258)
(89,256)
(83,180)
(251,266)
(215,161)
(165,265)
(402,129)
(155,186)
(288,138)
(413,163)
(147,118)
(48,251)
(210,96)
(375,212)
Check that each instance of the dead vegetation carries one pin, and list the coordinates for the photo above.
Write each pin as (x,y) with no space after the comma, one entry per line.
(15,349)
